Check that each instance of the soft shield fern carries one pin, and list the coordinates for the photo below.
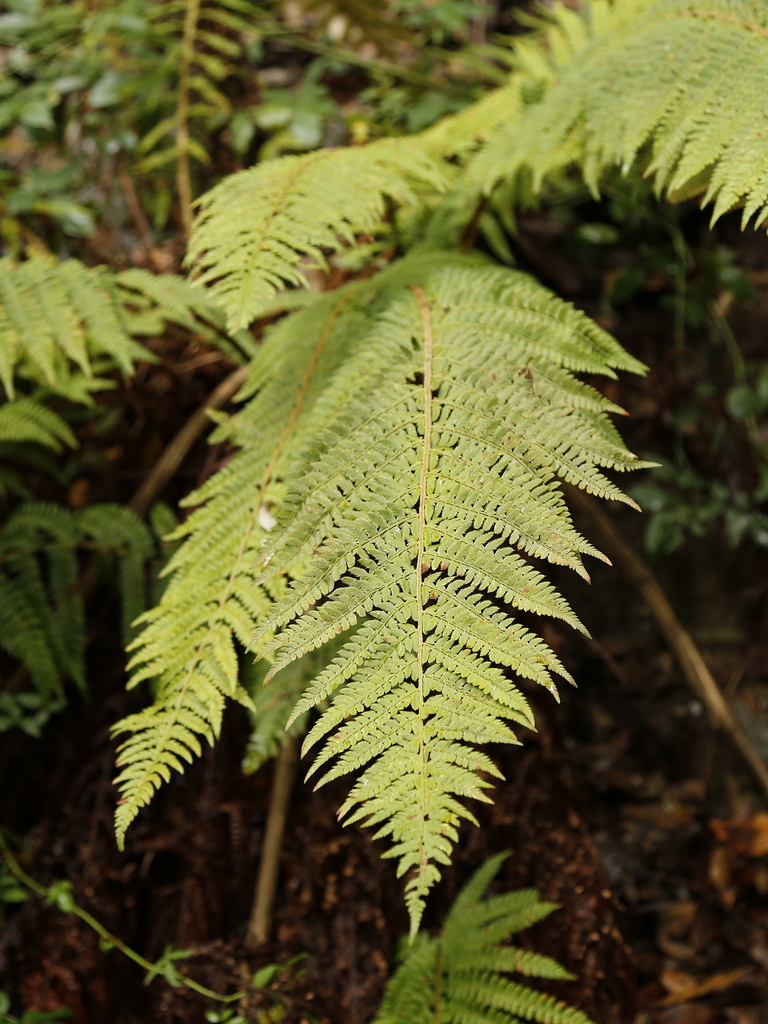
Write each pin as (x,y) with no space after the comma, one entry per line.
(461,975)
(213,603)
(418,509)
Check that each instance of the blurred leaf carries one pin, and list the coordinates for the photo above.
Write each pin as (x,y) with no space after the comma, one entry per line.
(598,234)
(106,92)
(742,401)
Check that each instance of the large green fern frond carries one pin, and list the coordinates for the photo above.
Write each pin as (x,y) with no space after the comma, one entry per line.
(461,975)
(421,504)
(671,81)
(256,227)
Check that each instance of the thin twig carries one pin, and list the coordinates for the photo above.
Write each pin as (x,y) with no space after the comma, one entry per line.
(134,206)
(183,176)
(692,663)
(71,907)
(266,884)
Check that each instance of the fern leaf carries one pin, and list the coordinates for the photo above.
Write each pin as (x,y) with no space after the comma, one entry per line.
(152,300)
(55,320)
(211,594)
(256,227)
(42,617)
(459,977)
(432,484)
(27,420)
(186,642)
(676,76)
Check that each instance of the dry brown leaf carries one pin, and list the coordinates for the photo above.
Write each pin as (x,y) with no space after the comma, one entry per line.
(696,989)
(745,836)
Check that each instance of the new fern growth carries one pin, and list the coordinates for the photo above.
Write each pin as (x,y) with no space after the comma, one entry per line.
(461,974)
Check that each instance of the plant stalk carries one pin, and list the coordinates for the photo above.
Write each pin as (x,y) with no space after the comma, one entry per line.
(260,921)
(183,175)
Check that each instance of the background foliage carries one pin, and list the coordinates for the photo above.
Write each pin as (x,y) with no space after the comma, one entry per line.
(335,149)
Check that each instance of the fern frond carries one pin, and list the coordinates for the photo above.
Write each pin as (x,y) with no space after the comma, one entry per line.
(41,609)
(432,483)
(27,420)
(256,227)
(152,300)
(670,81)
(460,975)
(56,320)
(211,602)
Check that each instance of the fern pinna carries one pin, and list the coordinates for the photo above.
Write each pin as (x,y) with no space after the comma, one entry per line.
(212,599)
(461,975)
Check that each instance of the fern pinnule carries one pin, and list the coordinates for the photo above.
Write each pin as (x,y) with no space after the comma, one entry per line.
(255,227)
(440,454)
(461,975)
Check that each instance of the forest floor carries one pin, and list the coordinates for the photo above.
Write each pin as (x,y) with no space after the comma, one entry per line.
(626,808)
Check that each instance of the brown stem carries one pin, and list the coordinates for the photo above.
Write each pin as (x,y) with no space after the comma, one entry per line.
(692,663)
(266,884)
(134,206)
(183,176)
(470,232)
